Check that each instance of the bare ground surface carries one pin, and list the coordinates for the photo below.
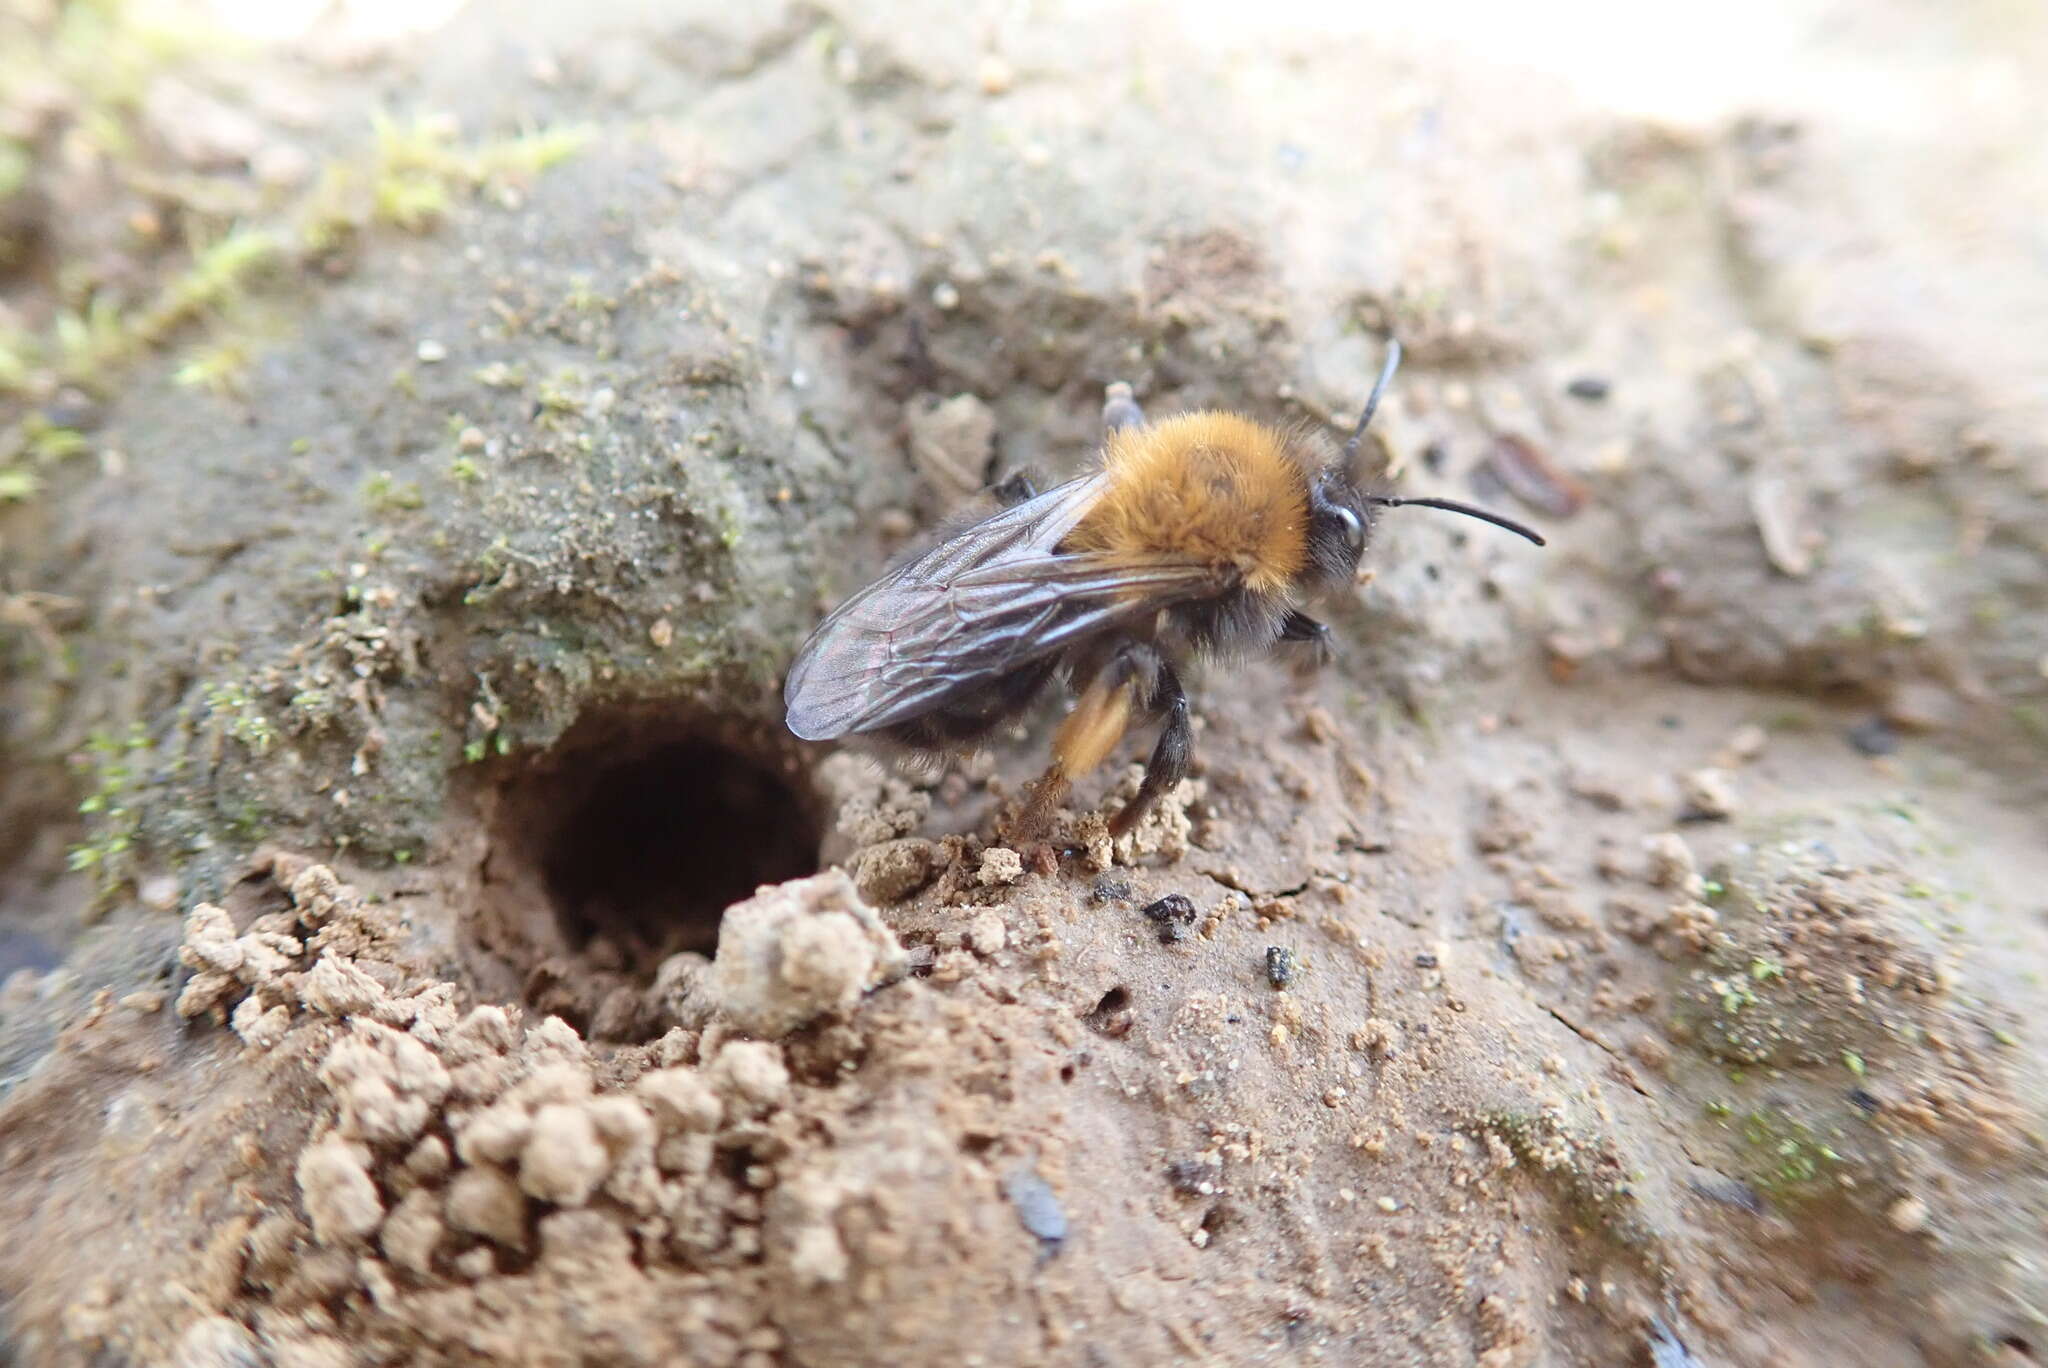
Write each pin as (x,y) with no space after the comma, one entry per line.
(1629,953)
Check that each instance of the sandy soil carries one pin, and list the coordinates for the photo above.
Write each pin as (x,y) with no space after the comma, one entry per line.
(1629,952)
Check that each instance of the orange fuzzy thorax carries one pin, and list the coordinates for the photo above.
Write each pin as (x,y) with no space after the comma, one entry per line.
(1213,486)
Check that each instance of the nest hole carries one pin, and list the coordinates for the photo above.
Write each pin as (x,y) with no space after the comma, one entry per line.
(663,841)
(637,832)
(1111,1014)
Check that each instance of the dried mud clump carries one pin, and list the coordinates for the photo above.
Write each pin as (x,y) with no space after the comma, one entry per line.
(331,953)
(796,951)
(466,1161)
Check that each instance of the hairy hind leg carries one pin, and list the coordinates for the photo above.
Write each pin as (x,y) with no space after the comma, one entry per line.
(1122,688)
(1090,732)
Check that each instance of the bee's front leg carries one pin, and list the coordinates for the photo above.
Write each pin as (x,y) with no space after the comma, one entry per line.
(1302,627)
(1019,486)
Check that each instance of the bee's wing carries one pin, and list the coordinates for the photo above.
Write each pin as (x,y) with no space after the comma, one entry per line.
(977,606)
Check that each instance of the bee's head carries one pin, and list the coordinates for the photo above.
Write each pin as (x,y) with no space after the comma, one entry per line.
(1340,512)
(1339,525)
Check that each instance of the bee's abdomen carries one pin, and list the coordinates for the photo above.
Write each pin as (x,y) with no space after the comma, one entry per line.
(1211,486)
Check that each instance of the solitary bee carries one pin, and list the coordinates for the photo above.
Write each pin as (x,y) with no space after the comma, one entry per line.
(1198,535)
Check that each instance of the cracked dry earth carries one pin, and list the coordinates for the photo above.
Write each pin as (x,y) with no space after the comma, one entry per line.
(1629,953)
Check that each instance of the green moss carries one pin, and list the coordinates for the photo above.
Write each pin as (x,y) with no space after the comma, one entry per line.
(415,171)
(19,353)
(112,765)
(243,718)
(385,493)
(91,340)
(499,375)
(485,731)
(558,394)
(33,445)
(218,276)
(1788,1159)
(414,203)
(419,168)
(2032,719)
(14,166)
(220,368)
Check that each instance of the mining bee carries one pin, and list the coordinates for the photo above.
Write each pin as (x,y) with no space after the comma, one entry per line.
(1197,536)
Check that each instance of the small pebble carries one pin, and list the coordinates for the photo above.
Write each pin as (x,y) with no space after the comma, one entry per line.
(999,865)
(945,296)
(1874,736)
(1670,863)
(1747,742)
(1708,795)
(73,408)
(995,75)
(1279,966)
(1038,1208)
(1591,388)
(1532,477)
(986,934)
(159,892)
(1173,915)
(1923,706)
(429,352)
(1908,1215)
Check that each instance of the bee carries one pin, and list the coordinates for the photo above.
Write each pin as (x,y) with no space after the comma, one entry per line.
(1200,535)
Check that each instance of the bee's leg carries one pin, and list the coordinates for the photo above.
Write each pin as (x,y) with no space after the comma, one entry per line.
(1017,487)
(1169,762)
(1090,732)
(1302,627)
(1120,410)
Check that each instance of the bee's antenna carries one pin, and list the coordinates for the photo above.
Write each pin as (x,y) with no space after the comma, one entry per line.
(1453,506)
(1372,402)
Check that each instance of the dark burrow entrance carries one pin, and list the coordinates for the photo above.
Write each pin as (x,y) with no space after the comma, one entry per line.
(659,844)
(625,842)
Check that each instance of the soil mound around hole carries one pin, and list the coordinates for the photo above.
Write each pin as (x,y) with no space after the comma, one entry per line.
(620,848)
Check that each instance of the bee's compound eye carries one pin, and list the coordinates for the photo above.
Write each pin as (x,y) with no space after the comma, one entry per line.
(1349,528)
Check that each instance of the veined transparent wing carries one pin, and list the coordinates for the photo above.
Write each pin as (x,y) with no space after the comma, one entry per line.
(993,597)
